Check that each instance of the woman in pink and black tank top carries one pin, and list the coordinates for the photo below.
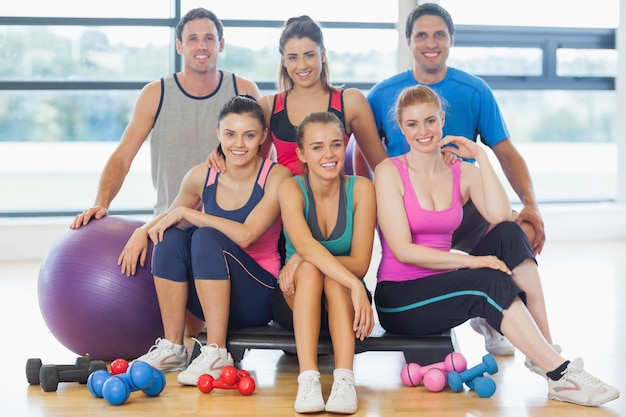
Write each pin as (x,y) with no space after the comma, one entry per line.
(304,85)
(424,288)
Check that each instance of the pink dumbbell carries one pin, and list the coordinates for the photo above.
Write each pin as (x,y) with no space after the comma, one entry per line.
(413,374)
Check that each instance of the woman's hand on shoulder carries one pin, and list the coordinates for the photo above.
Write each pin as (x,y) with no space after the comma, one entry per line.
(216,161)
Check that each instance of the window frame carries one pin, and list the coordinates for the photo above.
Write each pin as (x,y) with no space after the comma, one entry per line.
(548,39)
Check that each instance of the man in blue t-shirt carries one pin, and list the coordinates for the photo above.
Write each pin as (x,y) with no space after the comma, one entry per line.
(471,111)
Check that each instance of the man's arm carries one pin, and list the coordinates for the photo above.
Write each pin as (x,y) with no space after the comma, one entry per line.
(119,163)
(517,173)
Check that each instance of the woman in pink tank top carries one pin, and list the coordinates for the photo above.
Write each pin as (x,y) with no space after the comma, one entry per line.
(424,288)
(215,260)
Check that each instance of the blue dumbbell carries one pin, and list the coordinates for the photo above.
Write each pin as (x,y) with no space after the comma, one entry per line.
(456,380)
(484,386)
(117,388)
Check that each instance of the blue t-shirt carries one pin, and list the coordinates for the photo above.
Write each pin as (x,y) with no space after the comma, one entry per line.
(470,106)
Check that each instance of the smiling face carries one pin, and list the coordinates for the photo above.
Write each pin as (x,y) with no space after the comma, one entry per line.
(302,59)
(430,44)
(422,126)
(240,136)
(200,45)
(323,149)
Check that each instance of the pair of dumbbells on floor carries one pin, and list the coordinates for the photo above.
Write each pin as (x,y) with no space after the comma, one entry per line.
(453,370)
(230,378)
(116,386)
(49,375)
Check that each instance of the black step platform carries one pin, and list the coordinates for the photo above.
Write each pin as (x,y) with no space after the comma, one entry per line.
(418,349)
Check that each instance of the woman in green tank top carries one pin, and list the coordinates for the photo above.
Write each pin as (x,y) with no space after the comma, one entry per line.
(329,222)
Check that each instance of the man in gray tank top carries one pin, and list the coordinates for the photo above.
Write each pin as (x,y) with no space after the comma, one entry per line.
(178,113)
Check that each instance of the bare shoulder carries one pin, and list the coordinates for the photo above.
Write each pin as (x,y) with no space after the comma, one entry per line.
(246,86)
(196,176)
(152,89)
(145,110)
(468,168)
(363,184)
(150,95)
(267,102)
(288,185)
(200,171)
(354,97)
(386,167)
(279,172)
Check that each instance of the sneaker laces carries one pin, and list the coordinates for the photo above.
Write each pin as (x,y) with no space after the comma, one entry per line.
(342,388)
(581,376)
(207,354)
(154,350)
(310,387)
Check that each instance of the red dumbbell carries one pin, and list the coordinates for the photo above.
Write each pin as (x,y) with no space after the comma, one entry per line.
(119,366)
(230,378)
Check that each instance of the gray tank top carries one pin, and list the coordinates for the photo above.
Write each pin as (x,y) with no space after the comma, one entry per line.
(184,133)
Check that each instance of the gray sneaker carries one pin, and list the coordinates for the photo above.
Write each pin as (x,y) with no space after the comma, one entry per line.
(579,387)
(495,343)
(309,398)
(534,368)
(342,399)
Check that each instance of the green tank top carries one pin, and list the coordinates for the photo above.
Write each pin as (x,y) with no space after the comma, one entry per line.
(339,243)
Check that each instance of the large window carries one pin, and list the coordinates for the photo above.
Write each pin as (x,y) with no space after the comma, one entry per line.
(70,72)
(553,67)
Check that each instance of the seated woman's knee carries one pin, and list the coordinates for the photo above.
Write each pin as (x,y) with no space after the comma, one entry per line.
(174,240)
(309,273)
(206,235)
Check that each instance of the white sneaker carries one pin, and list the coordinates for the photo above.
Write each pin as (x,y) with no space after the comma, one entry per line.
(309,398)
(534,368)
(208,362)
(495,343)
(579,387)
(162,357)
(342,399)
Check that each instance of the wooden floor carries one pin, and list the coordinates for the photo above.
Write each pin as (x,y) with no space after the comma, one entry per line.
(584,284)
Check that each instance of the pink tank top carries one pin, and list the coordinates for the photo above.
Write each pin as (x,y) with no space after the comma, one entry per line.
(428,228)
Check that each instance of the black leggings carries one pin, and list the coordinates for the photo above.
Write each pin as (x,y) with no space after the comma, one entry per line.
(439,302)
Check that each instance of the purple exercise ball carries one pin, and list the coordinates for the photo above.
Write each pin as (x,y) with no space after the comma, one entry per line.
(87,304)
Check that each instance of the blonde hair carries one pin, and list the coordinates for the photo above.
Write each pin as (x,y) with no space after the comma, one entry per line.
(418,94)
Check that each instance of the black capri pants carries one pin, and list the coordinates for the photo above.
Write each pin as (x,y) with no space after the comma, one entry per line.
(440,302)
